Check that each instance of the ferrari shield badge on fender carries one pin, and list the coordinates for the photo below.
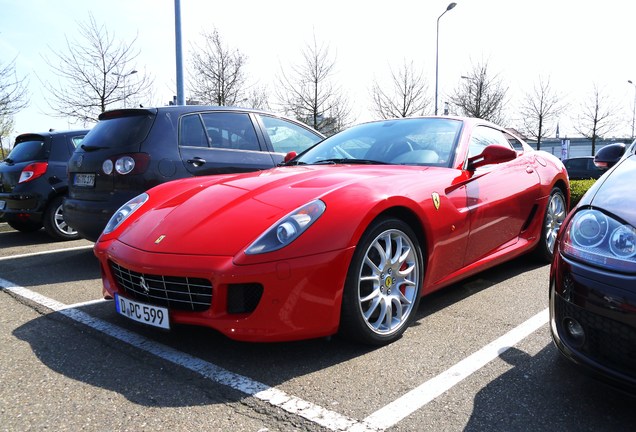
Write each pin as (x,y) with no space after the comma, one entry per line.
(436,201)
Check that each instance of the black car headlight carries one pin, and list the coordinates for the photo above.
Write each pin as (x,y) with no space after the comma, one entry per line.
(287,229)
(601,240)
(124,212)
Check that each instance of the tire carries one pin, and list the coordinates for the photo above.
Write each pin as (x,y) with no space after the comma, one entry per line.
(555,213)
(382,289)
(54,223)
(24,226)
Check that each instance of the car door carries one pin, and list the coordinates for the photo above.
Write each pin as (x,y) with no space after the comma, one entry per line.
(500,197)
(221,142)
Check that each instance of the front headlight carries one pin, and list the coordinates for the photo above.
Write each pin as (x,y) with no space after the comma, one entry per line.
(124,212)
(599,239)
(287,229)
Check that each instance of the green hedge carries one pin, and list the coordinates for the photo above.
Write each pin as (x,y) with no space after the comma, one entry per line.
(578,189)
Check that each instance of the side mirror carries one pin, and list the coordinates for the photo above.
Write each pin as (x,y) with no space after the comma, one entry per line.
(608,156)
(492,154)
(289,156)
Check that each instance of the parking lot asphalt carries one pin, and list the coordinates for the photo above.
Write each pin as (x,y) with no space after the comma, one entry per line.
(479,357)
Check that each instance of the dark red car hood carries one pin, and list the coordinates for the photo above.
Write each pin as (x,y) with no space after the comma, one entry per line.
(222,215)
(614,191)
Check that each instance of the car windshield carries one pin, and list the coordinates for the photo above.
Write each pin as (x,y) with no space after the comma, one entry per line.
(28,151)
(118,132)
(411,141)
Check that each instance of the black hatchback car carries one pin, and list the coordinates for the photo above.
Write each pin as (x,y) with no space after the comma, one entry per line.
(33,182)
(131,150)
(582,168)
(593,278)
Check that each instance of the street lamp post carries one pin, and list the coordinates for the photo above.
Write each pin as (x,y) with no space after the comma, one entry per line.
(634,107)
(449,7)
(123,76)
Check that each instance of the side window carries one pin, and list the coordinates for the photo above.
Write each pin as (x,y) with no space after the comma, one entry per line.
(484,136)
(77,140)
(233,131)
(514,142)
(192,133)
(286,136)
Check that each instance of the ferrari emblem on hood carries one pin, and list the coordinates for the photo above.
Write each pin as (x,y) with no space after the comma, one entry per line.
(436,201)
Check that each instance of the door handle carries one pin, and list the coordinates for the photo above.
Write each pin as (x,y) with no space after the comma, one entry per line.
(197,161)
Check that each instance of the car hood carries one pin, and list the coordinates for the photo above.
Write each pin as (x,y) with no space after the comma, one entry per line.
(222,215)
(614,192)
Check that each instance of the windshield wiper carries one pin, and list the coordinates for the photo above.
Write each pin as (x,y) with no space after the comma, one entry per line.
(291,163)
(90,148)
(350,162)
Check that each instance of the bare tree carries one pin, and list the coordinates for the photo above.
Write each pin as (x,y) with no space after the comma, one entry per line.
(219,76)
(95,74)
(539,111)
(13,98)
(258,97)
(404,97)
(307,92)
(596,118)
(481,95)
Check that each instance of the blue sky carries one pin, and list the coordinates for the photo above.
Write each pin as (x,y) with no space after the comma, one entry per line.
(576,44)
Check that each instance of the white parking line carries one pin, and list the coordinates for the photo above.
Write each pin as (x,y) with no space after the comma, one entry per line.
(420,396)
(314,413)
(382,419)
(45,252)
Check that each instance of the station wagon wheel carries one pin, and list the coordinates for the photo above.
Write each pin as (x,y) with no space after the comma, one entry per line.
(555,213)
(382,290)
(54,222)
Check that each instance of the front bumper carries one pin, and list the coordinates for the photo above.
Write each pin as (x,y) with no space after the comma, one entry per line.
(603,304)
(301,297)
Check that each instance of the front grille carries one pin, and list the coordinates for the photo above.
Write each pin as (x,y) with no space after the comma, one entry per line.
(607,341)
(173,292)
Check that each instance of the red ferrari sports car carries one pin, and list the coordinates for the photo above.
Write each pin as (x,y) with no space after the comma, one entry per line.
(344,238)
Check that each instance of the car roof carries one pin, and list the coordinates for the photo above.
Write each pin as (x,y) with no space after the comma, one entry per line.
(50,133)
(177,109)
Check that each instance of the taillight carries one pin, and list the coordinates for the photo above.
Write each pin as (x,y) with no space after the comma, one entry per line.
(133,163)
(33,171)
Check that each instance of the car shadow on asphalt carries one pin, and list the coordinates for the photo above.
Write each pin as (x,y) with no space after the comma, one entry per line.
(51,268)
(546,392)
(463,289)
(86,355)
(268,363)
(11,238)
(66,347)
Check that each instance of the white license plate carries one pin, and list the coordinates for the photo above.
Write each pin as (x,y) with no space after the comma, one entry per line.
(84,180)
(141,312)
(2,204)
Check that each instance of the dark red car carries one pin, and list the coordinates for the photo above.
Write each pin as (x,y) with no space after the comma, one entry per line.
(593,278)
(345,238)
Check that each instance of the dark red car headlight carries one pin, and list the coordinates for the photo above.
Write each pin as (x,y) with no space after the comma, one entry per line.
(599,239)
